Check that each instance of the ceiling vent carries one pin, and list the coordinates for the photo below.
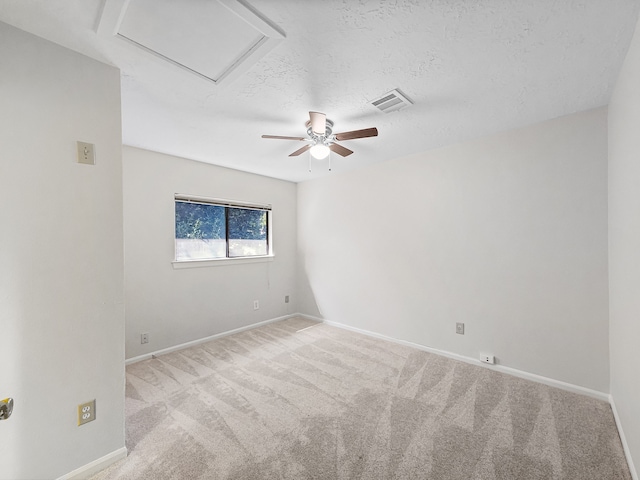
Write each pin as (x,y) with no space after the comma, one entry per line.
(391,101)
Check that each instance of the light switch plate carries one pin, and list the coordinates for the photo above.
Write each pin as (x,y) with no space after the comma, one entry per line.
(86,412)
(86,153)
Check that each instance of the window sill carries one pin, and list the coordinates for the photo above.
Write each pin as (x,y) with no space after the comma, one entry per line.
(218,262)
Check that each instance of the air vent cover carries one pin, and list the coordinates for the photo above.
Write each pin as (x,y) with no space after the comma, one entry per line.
(391,101)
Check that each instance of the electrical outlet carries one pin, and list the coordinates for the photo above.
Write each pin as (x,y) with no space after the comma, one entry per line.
(86,412)
(486,358)
(460,328)
(286,299)
(256,304)
(144,338)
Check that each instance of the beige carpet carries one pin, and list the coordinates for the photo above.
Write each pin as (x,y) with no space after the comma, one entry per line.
(300,400)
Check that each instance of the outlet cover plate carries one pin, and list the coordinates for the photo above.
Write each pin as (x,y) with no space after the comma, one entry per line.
(87,412)
(486,358)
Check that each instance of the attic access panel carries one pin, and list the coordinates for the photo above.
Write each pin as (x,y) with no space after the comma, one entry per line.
(212,39)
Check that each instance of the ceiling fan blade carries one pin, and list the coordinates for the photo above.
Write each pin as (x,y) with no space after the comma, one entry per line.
(366,132)
(300,150)
(318,122)
(279,137)
(340,150)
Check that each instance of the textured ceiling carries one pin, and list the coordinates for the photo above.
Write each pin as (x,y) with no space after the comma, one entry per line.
(471,68)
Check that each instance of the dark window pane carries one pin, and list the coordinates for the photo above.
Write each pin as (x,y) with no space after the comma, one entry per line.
(200,231)
(247,232)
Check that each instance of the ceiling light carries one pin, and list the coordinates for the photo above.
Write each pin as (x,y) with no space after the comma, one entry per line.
(319,151)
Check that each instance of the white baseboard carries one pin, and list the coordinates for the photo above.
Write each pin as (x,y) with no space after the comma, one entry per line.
(96,466)
(625,445)
(182,346)
(499,368)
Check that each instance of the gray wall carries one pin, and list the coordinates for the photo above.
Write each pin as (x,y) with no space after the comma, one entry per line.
(61,258)
(624,246)
(179,305)
(507,234)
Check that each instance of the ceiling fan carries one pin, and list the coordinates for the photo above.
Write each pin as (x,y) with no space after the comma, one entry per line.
(321,139)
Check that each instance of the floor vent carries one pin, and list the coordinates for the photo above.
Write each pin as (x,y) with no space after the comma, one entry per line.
(391,101)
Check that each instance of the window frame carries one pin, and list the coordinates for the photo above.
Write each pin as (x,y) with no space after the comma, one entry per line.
(226,260)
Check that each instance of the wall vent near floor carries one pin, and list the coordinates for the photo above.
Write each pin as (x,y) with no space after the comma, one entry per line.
(391,101)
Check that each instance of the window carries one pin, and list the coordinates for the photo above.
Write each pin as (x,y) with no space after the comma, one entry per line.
(208,229)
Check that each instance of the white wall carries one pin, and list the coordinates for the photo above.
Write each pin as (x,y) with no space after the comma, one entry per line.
(624,246)
(180,305)
(61,258)
(507,234)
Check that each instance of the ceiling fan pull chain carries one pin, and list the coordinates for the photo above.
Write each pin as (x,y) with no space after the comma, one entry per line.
(309,163)
(329,161)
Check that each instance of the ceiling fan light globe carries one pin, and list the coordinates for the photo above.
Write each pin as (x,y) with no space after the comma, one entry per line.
(319,151)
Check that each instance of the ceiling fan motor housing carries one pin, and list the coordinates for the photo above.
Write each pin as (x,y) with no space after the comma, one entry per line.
(320,139)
